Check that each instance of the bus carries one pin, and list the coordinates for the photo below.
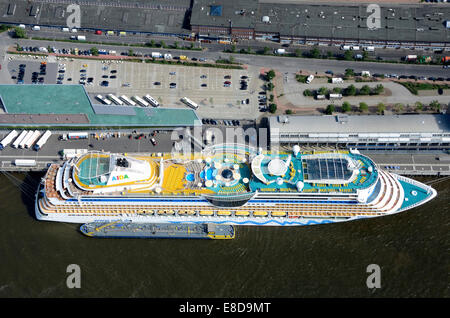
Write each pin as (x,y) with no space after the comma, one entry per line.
(115,99)
(127,100)
(151,100)
(103,100)
(190,103)
(140,101)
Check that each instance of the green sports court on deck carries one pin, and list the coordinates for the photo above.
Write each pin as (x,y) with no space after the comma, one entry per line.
(78,110)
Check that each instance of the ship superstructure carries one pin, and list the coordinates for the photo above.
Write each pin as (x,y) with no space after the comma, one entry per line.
(225,184)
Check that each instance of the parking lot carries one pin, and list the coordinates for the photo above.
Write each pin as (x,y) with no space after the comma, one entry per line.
(220,93)
(31,71)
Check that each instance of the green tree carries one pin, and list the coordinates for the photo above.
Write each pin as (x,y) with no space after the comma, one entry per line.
(307,92)
(270,75)
(162,44)
(350,90)
(270,86)
(379,89)
(330,109)
(130,52)
(363,107)
(288,111)
(398,107)
(365,55)
(337,90)
(365,90)
(418,106)
(381,108)
(314,53)
(348,55)
(94,51)
(435,105)
(152,43)
(298,52)
(266,50)
(349,72)
(273,108)
(271,98)
(323,91)
(19,33)
(175,45)
(346,107)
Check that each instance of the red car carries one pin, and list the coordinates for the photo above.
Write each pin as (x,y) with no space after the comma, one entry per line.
(98,32)
(227,82)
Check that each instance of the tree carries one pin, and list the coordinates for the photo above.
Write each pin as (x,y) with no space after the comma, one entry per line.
(270,75)
(175,45)
(363,107)
(330,109)
(288,111)
(435,105)
(231,59)
(314,53)
(337,90)
(273,108)
(130,52)
(307,92)
(346,107)
(152,43)
(323,91)
(271,98)
(350,90)
(270,86)
(398,107)
(298,52)
(418,106)
(379,89)
(365,90)
(381,108)
(162,44)
(365,55)
(94,51)
(349,72)
(19,33)
(348,55)
(266,50)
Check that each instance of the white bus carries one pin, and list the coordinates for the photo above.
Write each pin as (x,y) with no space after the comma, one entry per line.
(190,103)
(115,99)
(103,100)
(151,100)
(127,100)
(140,101)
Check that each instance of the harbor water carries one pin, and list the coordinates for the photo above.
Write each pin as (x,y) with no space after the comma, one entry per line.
(331,260)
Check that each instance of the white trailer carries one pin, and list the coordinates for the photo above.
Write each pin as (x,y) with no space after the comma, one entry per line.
(345,47)
(81,38)
(115,99)
(36,28)
(5,142)
(42,140)
(337,80)
(156,54)
(25,139)
(30,142)
(190,103)
(369,48)
(140,101)
(25,162)
(151,100)
(335,96)
(127,100)
(19,139)
(280,51)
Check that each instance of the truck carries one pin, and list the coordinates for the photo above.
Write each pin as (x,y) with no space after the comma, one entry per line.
(355,48)
(183,57)
(22,26)
(279,51)
(156,55)
(5,142)
(410,58)
(25,139)
(36,28)
(81,38)
(98,32)
(446,59)
(42,140)
(167,56)
(25,162)
(365,73)
(369,49)
(65,29)
(30,142)
(309,79)
(345,47)
(337,80)
(77,135)
(19,139)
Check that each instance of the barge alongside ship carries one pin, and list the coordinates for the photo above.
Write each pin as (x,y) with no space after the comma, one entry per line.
(226,184)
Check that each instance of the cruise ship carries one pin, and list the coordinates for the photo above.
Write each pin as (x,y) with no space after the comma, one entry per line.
(225,184)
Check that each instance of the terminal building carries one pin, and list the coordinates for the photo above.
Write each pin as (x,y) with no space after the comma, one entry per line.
(365,132)
(70,106)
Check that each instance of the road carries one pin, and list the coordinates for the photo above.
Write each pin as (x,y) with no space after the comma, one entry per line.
(283,64)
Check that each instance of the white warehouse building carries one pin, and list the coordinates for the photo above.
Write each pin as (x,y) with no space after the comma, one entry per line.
(368,132)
